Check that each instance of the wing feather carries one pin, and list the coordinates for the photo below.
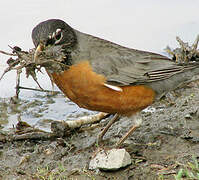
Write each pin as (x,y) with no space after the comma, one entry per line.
(124,66)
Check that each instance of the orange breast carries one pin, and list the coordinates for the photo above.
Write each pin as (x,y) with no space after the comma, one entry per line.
(84,87)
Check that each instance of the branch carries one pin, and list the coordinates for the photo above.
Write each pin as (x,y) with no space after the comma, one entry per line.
(6,53)
(24,131)
(184,53)
(40,90)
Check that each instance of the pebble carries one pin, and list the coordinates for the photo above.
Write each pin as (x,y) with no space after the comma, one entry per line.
(113,159)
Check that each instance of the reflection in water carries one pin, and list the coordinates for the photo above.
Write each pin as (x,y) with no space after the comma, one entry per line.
(147,25)
(39,110)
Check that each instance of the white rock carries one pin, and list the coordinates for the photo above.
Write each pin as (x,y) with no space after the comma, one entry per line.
(110,159)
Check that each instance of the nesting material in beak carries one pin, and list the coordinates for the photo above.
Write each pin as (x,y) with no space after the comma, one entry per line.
(38,50)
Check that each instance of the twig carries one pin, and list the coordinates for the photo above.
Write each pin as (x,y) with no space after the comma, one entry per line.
(41,90)
(33,136)
(63,128)
(35,79)
(6,53)
(185,53)
(58,128)
(18,82)
(10,67)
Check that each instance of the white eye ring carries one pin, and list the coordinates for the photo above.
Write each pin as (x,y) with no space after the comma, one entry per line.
(58,32)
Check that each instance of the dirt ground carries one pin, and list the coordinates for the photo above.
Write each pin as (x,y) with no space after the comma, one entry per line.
(166,141)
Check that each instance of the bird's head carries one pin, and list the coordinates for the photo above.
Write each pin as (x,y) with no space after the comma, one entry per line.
(52,33)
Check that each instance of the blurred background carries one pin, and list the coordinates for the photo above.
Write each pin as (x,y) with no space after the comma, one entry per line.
(146,25)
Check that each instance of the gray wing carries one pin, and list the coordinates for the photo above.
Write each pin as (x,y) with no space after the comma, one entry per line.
(124,66)
(128,66)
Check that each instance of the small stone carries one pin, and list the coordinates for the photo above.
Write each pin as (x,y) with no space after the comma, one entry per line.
(48,151)
(188,116)
(24,159)
(110,159)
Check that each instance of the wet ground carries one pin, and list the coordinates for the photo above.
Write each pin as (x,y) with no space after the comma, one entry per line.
(166,141)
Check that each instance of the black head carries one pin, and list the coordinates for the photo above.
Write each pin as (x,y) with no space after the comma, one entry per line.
(53,32)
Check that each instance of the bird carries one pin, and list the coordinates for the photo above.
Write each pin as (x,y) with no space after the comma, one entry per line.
(103,76)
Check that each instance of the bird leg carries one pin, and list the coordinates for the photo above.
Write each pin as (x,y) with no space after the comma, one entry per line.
(114,119)
(137,121)
(133,128)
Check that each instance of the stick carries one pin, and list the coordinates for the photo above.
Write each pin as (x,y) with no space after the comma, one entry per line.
(33,136)
(17,83)
(86,120)
(41,90)
(58,128)
(6,53)
(63,128)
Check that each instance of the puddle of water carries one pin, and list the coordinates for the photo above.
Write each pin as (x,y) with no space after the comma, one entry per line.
(40,110)
(138,24)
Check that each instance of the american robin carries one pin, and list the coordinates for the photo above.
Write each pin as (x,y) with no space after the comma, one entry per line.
(103,76)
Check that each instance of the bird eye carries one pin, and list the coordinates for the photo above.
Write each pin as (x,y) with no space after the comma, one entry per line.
(55,37)
(58,35)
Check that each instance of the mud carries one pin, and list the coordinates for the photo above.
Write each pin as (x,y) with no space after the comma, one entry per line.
(167,139)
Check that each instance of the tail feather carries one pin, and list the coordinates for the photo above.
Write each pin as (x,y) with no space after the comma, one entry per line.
(170,80)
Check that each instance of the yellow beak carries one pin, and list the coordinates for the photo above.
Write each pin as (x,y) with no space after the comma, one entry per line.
(38,50)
